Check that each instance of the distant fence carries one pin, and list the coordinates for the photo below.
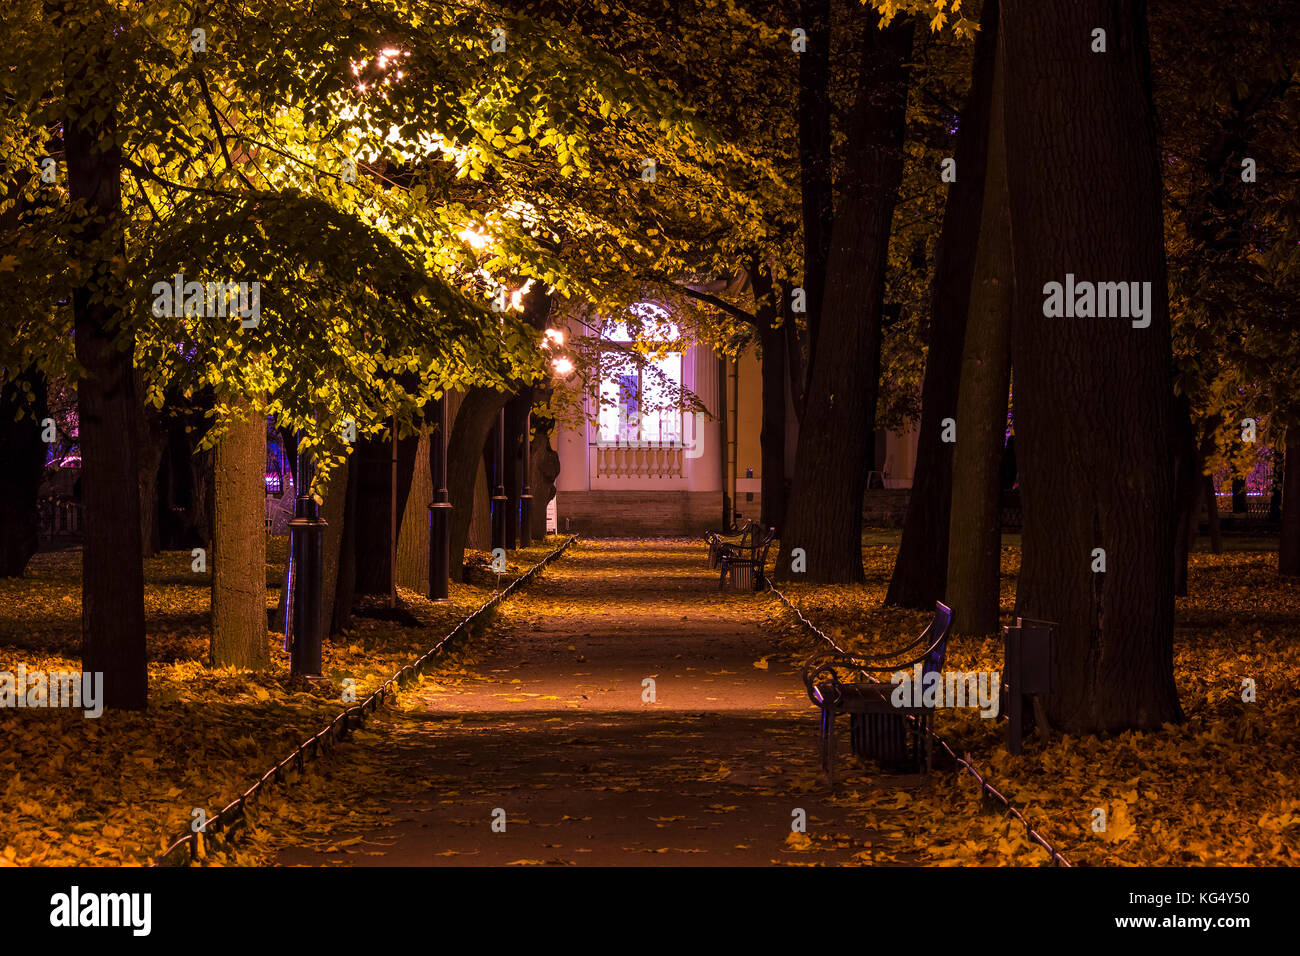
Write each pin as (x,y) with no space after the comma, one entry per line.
(57,517)
(234,813)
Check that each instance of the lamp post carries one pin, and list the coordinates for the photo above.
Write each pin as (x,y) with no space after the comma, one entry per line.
(499,500)
(526,495)
(302,631)
(439,510)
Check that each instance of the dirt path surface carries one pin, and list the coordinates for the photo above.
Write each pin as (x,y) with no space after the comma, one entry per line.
(553,730)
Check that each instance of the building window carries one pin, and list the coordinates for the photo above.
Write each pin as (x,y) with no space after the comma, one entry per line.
(640,400)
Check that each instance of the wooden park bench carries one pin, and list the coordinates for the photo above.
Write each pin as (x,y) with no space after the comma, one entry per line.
(747,564)
(718,542)
(897,737)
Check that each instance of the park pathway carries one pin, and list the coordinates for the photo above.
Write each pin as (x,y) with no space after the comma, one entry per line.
(551,726)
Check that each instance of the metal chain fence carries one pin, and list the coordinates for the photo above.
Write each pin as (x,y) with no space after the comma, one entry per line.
(233,814)
(988,793)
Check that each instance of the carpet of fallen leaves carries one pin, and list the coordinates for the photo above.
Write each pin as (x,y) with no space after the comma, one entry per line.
(120,788)
(1222,788)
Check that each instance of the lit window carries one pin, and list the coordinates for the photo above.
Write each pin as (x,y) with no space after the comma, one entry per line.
(640,401)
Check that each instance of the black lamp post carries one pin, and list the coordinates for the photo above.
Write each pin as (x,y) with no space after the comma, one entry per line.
(302,633)
(439,510)
(526,496)
(499,500)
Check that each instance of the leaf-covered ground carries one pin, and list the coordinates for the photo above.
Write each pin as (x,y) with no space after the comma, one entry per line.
(543,716)
(1223,788)
(119,788)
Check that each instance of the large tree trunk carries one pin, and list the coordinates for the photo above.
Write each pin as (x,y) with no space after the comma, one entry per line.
(413,533)
(1288,553)
(22,465)
(772,345)
(374,531)
(1187,489)
(112,604)
(1093,395)
(474,420)
(975,538)
(921,570)
(825,511)
(345,589)
(151,444)
(815,171)
(545,469)
(239,631)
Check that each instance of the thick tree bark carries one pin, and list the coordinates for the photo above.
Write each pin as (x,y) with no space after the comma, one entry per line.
(151,444)
(469,433)
(772,346)
(824,517)
(545,469)
(413,535)
(373,539)
(975,537)
(1093,395)
(22,466)
(238,557)
(112,604)
(1187,489)
(1212,515)
(921,570)
(345,589)
(816,169)
(1288,554)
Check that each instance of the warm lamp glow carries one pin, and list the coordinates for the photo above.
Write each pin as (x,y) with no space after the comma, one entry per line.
(562,366)
(475,238)
(555,336)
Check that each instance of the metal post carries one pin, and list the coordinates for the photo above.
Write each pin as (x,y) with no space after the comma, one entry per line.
(392,523)
(499,499)
(526,496)
(439,510)
(303,622)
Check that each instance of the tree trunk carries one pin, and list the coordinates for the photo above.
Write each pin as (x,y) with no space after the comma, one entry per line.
(1212,515)
(413,536)
(1093,395)
(345,589)
(374,535)
(816,168)
(469,433)
(22,466)
(1288,554)
(975,539)
(1187,489)
(825,511)
(546,468)
(772,345)
(238,557)
(112,604)
(151,443)
(921,570)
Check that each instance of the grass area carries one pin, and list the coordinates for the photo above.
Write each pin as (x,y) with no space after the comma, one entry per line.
(120,788)
(1222,788)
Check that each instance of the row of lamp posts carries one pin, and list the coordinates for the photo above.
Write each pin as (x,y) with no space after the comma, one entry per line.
(304,627)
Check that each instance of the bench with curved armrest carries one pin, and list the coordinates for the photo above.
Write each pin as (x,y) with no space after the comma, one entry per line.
(718,542)
(746,565)
(897,736)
